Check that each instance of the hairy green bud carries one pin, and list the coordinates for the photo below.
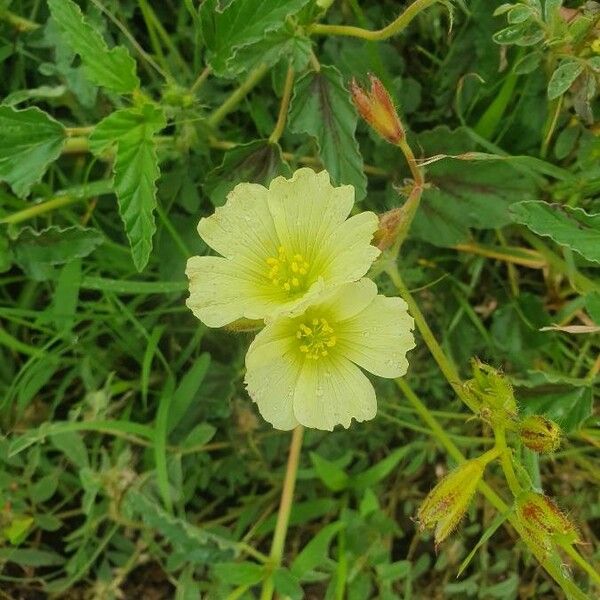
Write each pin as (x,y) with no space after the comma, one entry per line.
(448,501)
(539,434)
(492,394)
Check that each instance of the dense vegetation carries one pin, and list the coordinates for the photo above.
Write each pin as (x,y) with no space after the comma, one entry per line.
(133,463)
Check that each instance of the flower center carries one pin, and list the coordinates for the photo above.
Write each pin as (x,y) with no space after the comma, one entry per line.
(288,272)
(315,338)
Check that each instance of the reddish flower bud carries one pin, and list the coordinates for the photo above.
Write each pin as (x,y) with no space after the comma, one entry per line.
(377,109)
(448,501)
(539,434)
(543,521)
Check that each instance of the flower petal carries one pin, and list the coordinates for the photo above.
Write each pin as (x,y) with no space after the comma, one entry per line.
(243,227)
(378,337)
(221,291)
(345,301)
(332,391)
(272,370)
(347,254)
(306,210)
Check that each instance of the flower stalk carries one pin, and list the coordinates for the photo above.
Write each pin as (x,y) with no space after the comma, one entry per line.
(285,507)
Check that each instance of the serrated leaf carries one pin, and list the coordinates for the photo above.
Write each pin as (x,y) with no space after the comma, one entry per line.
(567,226)
(113,69)
(197,545)
(238,25)
(37,252)
(255,162)
(135,170)
(29,142)
(321,107)
(463,193)
(563,77)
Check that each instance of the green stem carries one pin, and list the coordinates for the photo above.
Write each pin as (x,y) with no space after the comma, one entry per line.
(19,23)
(285,507)
(581,562)
(506,462)
(237,95)
(446,366)
(400,23)
(200,80)
(283,108)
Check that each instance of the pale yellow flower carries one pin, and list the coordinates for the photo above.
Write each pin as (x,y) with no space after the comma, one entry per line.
(280,249)
(303,369)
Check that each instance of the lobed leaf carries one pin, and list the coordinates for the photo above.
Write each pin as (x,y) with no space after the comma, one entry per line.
(113,69)
(321,107)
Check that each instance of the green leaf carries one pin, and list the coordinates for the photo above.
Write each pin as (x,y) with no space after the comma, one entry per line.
(30,141)
(329,473)
(135,169)
(315,551)
(487,534)
(321,107)
(186,390)
(567,226)
(463,193)
(29,557)
(287,585)
(37,252)
(197,545)
(382,469)
(241,24)
(242,573)
(255,162)
(563,77)
(113,69)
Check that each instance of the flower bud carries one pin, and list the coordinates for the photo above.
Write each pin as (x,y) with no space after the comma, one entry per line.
(543,521)
(539,434)
(492,394)
(377,109)
(448,501)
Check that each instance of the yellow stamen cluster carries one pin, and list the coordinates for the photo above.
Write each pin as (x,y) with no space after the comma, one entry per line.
(316,338)
(288,272)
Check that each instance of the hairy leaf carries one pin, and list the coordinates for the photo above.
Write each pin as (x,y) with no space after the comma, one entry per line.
(321,107)
(255,162)
(567,226)
(113,69)
(37,252)
(462,193)
(135,169)
(563,77)
(240,24)
(29,141)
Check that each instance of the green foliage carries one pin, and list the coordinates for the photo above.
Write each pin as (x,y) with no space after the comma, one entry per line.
(113,69)
(132,461)
(247,26)
(136,171)
(30,141)
(321,107)
(568,226)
